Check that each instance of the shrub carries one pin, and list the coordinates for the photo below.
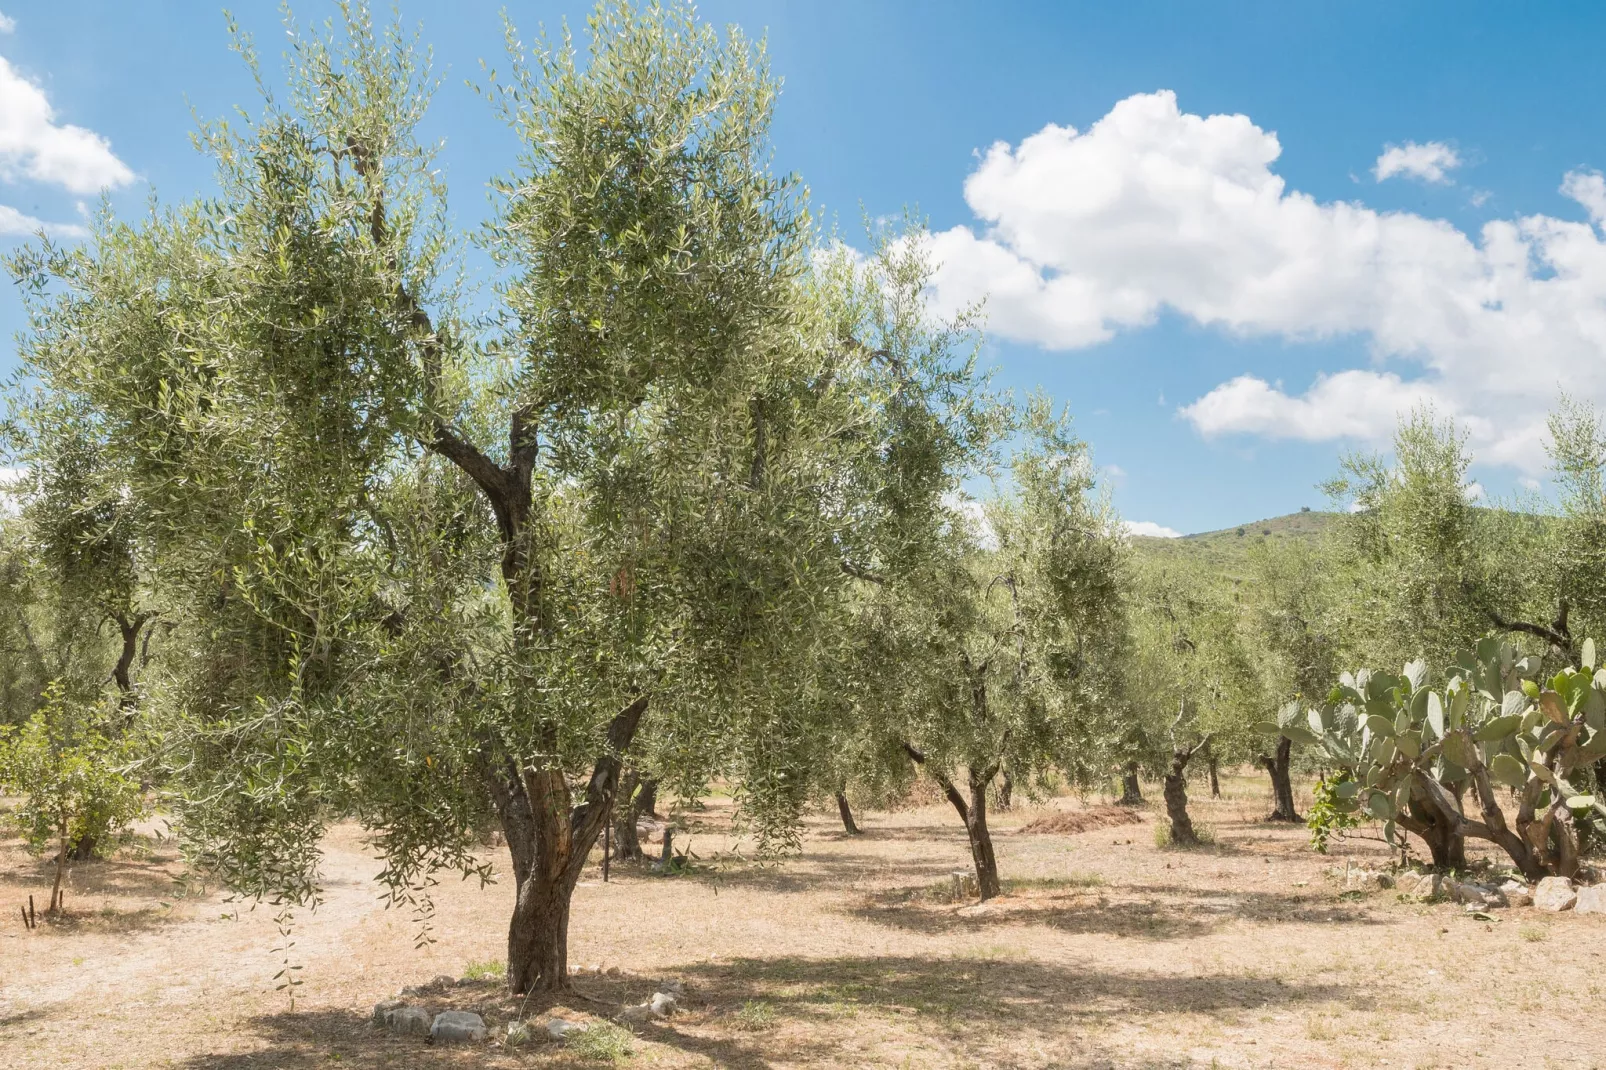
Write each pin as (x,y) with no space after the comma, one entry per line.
(73,774)
(1328,815)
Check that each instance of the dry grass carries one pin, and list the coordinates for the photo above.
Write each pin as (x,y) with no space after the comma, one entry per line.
(1104,952)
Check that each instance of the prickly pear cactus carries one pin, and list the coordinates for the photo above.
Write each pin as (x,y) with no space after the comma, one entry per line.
(1427,760)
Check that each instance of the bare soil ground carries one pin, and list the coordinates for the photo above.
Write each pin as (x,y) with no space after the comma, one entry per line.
(1106,952)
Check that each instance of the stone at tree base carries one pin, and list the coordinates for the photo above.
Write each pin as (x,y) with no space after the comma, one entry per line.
(1555,894)
(408,1021)
(457,1027)
(383,1009)
(442,981)
(1472,893)
(638,1015)
(1517,893)
(1591,900)
(558,1029)
(662,1004)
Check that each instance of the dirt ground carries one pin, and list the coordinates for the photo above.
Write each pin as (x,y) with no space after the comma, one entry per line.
(1105,952)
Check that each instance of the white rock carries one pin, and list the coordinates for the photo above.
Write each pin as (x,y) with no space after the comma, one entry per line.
(663,1004)
(384,1008)
(408,1021)
(1555,894)
(558,1029)
(1591,900)
(640,1014)
(457,1027)
(443,980)
(1517,893)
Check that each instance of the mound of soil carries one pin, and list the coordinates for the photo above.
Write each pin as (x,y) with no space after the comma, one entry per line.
(1067,822)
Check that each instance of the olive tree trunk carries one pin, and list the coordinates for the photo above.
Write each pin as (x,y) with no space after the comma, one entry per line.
(1006,791)
(1131,791)
(1176,796)
(974,815)
(627,809)
(1282,785)
(846,812)
(549,837)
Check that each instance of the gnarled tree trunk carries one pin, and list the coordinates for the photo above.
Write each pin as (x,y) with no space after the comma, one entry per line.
(1176,796)
(846,813)
(1282,785)
(549,838)
(647,797)
(627,812)
(1131,793)
(974,815)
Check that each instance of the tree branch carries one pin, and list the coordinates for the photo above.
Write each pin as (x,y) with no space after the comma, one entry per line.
(586,820)
(858,573)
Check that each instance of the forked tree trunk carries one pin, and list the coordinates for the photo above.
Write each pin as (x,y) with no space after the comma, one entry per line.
(1131,793)
(974,815)
(1282,785)
(549,839)
(1176,797)
(85,847)
(846,812)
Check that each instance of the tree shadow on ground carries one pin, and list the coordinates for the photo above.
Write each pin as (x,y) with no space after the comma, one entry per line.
(824,1013)
(984,1008)
(1149,912)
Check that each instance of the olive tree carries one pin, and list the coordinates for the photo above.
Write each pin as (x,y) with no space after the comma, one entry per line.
(993,644)
(1290,618)
(432,564)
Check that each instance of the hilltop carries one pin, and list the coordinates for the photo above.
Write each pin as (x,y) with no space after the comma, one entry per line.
(1223,551)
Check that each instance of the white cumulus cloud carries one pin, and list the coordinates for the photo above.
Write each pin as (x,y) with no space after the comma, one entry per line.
(34,146)
(1149,529)
(1430,162)
(15,223)
(7,23)
(1084,234)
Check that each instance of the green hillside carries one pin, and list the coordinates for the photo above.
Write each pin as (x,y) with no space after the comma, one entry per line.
(1223,551)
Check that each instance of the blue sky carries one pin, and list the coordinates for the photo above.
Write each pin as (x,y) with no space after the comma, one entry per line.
(1190,231)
